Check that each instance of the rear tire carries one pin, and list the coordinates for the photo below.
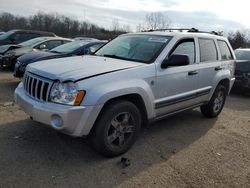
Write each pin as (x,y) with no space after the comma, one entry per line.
(116,129)
(216,103)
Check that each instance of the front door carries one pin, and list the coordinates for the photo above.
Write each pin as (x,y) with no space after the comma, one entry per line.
(177,85)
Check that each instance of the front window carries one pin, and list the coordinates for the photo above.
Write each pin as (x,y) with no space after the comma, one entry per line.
(141,48)
(186,47)
(242,54)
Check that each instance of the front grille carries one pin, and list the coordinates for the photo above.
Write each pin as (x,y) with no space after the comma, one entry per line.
(37,87)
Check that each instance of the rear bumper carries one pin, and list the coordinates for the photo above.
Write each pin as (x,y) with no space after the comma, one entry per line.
(243,81)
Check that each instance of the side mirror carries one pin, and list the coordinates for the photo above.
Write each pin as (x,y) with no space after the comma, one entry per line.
(175,60)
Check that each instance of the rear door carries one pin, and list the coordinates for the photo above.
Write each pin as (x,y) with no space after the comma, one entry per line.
(209,66)
(177,85)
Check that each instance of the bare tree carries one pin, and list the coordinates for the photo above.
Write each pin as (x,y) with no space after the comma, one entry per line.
(237,39)
(140,27)
(126,28)
(115,25)
(157,20)
(59,24)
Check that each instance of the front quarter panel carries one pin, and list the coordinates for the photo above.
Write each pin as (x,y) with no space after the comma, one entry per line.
(139,80)
(105,92)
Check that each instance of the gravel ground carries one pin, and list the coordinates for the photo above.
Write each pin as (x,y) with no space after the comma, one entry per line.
(186,150)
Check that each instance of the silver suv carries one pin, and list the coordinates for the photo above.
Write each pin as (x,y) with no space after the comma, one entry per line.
(134,79)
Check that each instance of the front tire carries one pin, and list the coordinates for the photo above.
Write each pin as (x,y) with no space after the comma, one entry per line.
(216,103)
(116,129)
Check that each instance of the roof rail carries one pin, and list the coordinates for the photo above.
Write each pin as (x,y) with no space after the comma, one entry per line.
(192,30)
(172,29)
(219,33)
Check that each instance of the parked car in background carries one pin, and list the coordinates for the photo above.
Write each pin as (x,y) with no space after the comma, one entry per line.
(18,35)
(12,52)
(242,70)
(74,48)
(86,38)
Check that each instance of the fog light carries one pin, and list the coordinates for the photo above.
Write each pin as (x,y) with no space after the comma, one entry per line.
(56,121)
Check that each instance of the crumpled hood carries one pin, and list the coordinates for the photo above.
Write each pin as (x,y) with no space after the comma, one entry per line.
(22,50)
(78,67)
(5,48)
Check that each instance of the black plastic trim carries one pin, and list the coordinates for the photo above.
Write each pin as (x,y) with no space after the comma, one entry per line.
(181,99)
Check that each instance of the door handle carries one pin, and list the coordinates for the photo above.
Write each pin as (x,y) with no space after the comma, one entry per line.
(217,68)
(192,72)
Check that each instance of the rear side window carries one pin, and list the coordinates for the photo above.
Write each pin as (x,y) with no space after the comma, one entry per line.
(20,37)
(65,41)
(50,44)
(208,50)
(224,50)
(33,35)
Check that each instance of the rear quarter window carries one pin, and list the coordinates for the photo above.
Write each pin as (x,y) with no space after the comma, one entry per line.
(208,51)
(224,50)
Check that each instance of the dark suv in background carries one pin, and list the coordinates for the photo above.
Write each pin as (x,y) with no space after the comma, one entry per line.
(18,36)
(242,70)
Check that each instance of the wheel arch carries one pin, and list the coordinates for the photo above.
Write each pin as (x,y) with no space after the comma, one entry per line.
(135,98)
(225,82)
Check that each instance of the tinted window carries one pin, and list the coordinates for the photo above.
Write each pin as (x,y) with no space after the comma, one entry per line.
(140,48)
(242,54)
(208,50)
(50,44)
(20,37)
(91,49)
(224,50)
(95,47)
(65,41)
(186,47)
(33,35)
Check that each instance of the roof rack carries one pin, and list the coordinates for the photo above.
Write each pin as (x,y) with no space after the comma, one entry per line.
(173,29)
(192,30)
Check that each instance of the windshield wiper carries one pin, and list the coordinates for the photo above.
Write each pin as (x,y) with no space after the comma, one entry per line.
(115,56)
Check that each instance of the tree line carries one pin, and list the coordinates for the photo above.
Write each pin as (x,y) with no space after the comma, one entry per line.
(238,39)
(69,27)
(59,24)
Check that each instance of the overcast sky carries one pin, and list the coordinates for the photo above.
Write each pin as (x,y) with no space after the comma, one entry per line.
(206,15)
